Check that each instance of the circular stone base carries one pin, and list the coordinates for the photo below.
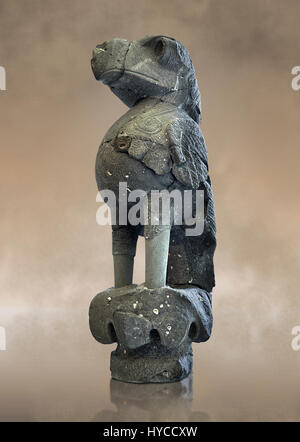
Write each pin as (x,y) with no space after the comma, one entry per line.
(141,369)
(154,330)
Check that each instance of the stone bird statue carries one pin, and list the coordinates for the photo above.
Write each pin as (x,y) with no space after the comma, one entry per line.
(157,145)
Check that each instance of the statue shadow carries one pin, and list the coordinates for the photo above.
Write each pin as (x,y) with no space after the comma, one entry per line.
(152,403)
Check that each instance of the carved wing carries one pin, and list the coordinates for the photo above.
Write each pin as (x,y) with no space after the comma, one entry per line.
(188,152)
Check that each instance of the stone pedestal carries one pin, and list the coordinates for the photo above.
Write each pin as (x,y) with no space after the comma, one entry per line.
(154,330)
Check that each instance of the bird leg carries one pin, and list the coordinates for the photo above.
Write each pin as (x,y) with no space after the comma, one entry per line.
(124,240)
(157,238)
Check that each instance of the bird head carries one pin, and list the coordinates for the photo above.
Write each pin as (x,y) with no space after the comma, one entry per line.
(156,66)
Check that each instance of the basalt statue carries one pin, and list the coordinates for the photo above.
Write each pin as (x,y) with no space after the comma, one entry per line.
(156,146)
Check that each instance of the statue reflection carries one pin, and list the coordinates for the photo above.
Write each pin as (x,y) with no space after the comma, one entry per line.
(152,402)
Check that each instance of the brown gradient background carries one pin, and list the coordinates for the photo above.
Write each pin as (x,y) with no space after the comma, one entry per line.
(55,258)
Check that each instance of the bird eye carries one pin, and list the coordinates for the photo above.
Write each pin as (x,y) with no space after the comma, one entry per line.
(159,49)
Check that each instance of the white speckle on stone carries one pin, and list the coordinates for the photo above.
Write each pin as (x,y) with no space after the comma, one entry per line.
(109,173)
(109,299)
(168,296)
(124,352)
(179,256)
(168,305)
(126,176)
(140,315)
(167,332)
(169,327)
(134,305)
(155,311)
(161,306)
